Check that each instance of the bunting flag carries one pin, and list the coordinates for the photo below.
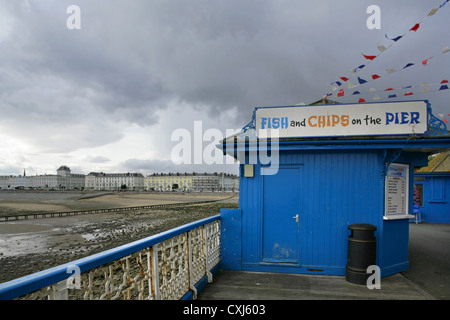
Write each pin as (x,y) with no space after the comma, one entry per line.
(394,39)
(415,28)
(382,49)
(361,81)
(441,116)
(369,57)
(357,68)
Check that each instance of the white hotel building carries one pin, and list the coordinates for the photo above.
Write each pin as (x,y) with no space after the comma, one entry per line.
(62,180)
(114,181)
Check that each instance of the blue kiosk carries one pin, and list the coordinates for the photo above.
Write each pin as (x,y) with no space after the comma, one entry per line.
(432,190)
(309,172)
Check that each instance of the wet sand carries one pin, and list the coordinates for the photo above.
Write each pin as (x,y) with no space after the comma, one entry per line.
(29,246)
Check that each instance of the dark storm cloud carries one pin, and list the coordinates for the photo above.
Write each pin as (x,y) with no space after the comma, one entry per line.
(67,89)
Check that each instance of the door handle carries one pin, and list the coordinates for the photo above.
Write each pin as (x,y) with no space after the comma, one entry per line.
(296,218)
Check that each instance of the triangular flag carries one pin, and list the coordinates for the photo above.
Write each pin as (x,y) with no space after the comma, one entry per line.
(356,92)
(416,26)
(340,93)
(443,4)
(406,87)
(391,71)
(408,65)
(350,85)
(425,84)
(375,76)
(361,81)
(444,81)
(425,90)
(443,87)
(389,89)
(372,90)
(382,48)
(432,12)
(333,87)
(337,82)
(369,57)
(376,98)
(362,100)
(424,62)
(409,94)
(343,79)
(360,67)
(445,120)
(392,95)
(394,39)
(446,49)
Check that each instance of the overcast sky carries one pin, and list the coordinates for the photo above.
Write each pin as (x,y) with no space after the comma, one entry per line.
(107,97)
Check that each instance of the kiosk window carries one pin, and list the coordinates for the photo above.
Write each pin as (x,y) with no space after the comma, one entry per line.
(418,194)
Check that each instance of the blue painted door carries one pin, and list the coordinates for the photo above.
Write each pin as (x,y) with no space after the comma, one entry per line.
(281,209)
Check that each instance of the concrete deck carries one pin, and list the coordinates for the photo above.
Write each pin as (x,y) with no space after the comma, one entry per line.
(427,278)
(237,285)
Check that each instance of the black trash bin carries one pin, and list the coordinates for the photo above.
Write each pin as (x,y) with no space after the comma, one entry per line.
(361,253)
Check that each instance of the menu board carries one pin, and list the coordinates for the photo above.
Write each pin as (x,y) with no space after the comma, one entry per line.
(396,190)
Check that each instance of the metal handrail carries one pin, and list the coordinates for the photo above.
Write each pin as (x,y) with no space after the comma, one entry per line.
(58,276)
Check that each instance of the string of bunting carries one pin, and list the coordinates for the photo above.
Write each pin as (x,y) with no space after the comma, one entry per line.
(381,48)
(389,71)
(441,115)
(390,93)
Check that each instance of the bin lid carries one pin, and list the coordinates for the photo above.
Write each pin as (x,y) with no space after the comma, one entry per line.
(362,226)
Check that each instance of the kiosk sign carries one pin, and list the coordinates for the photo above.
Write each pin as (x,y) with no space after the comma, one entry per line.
(396,191)
(343,120)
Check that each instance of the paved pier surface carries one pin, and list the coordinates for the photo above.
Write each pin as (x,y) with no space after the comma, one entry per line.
(237,285)
(428,277)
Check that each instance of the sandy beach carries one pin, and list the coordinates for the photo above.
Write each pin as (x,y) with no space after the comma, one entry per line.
(23,202)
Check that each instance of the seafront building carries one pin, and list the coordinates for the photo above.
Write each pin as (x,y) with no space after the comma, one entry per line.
(114,181)
(207,182)
(64,179)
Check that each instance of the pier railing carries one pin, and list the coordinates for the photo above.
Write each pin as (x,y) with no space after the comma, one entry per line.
(168,266)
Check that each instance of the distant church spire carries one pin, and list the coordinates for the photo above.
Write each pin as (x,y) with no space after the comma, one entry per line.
(24,174)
